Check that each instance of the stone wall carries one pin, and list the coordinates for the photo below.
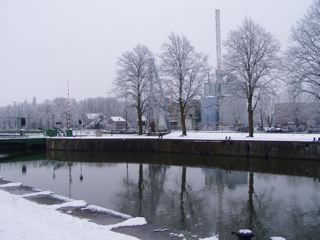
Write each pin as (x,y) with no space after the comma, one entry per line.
(265,149)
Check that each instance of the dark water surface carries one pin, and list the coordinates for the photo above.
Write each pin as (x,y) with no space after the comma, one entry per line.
(199,195)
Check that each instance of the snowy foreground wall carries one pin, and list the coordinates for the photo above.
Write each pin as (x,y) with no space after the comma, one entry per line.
(264,149)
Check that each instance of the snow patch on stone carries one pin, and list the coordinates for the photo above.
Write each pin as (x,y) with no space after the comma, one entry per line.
(104,210)
(11,185)
(161,230)
(210,238)
(245,231)
(277,238)
(23,219)
(75,203)
(132,222)
(62,198)
(37,194)
(180,235)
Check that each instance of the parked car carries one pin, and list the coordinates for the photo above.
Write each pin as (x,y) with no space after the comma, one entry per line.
(274,130)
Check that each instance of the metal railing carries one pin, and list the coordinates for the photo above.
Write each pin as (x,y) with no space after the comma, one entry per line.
(18,134)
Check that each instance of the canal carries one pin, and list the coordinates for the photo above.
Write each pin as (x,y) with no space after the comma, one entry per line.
(194,195)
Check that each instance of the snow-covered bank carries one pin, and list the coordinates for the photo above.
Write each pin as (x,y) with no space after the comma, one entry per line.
(201,135)
(23,219)
(244,136)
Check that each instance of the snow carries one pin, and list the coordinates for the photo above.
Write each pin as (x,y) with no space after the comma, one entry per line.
(161,230)
(243,136)
(245,231)
(180,235)
(117,119)
(23,219)
(62,198)
(214,136)
(104,210)
(137,221)
(277,238)
(10,185)
(37,194)
(210,238)
(75,203)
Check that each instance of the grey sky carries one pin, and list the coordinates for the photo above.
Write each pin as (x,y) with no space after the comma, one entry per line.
(45,43)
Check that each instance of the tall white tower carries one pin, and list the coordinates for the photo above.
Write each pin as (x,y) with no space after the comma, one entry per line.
(218,46)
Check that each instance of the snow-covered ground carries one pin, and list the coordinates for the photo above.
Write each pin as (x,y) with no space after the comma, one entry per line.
(23,219)
(221,136)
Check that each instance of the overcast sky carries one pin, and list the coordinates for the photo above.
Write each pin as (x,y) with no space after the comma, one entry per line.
(45,43)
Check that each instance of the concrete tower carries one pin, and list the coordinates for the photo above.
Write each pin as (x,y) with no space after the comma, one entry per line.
(218,45)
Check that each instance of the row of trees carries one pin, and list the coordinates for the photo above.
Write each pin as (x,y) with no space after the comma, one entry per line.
(182,72)
(252,57)
(48,113)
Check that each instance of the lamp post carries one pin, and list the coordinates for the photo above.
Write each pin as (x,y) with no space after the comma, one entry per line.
(126,114)
(17,107)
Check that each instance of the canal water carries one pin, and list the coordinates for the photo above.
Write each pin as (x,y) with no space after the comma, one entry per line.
(193,195)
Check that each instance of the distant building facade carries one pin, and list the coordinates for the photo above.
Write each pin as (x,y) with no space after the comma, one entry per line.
(297,115)
(193,116)
(223,106)
(117,123)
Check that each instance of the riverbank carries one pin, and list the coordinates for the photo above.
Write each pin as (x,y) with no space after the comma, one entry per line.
(23,219)
(29,213)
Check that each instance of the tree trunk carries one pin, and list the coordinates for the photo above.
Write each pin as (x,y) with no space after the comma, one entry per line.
(261,121)
(139,112)
(269,120)
(183,119)
(250,118)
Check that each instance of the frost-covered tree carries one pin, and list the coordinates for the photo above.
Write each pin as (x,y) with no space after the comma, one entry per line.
(266,108)
(133,79)
(252,55)
(46,114)
(303,55)
(183,71)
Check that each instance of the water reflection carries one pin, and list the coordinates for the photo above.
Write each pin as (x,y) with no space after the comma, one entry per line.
(271,198)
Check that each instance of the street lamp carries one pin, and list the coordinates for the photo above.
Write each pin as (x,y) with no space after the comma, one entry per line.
(17,107)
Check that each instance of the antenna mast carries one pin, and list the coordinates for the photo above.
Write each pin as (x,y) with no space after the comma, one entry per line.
(68,108)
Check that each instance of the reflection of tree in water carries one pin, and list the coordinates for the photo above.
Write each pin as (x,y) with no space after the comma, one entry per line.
(226,200)
(142,198)
(268,215)
(303,221)
(194,215)
(178,208)
(255,213)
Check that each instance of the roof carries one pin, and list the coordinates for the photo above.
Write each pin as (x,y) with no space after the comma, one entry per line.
(117,119)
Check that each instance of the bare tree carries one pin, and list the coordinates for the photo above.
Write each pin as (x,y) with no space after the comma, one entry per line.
(133,79)
(303,55)
(183,71)
(252,56)
(267,108)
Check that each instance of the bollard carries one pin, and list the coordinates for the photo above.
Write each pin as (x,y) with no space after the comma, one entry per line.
(244,234)
(24,169)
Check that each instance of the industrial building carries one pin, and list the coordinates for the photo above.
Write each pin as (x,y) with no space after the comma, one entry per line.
(223,105)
